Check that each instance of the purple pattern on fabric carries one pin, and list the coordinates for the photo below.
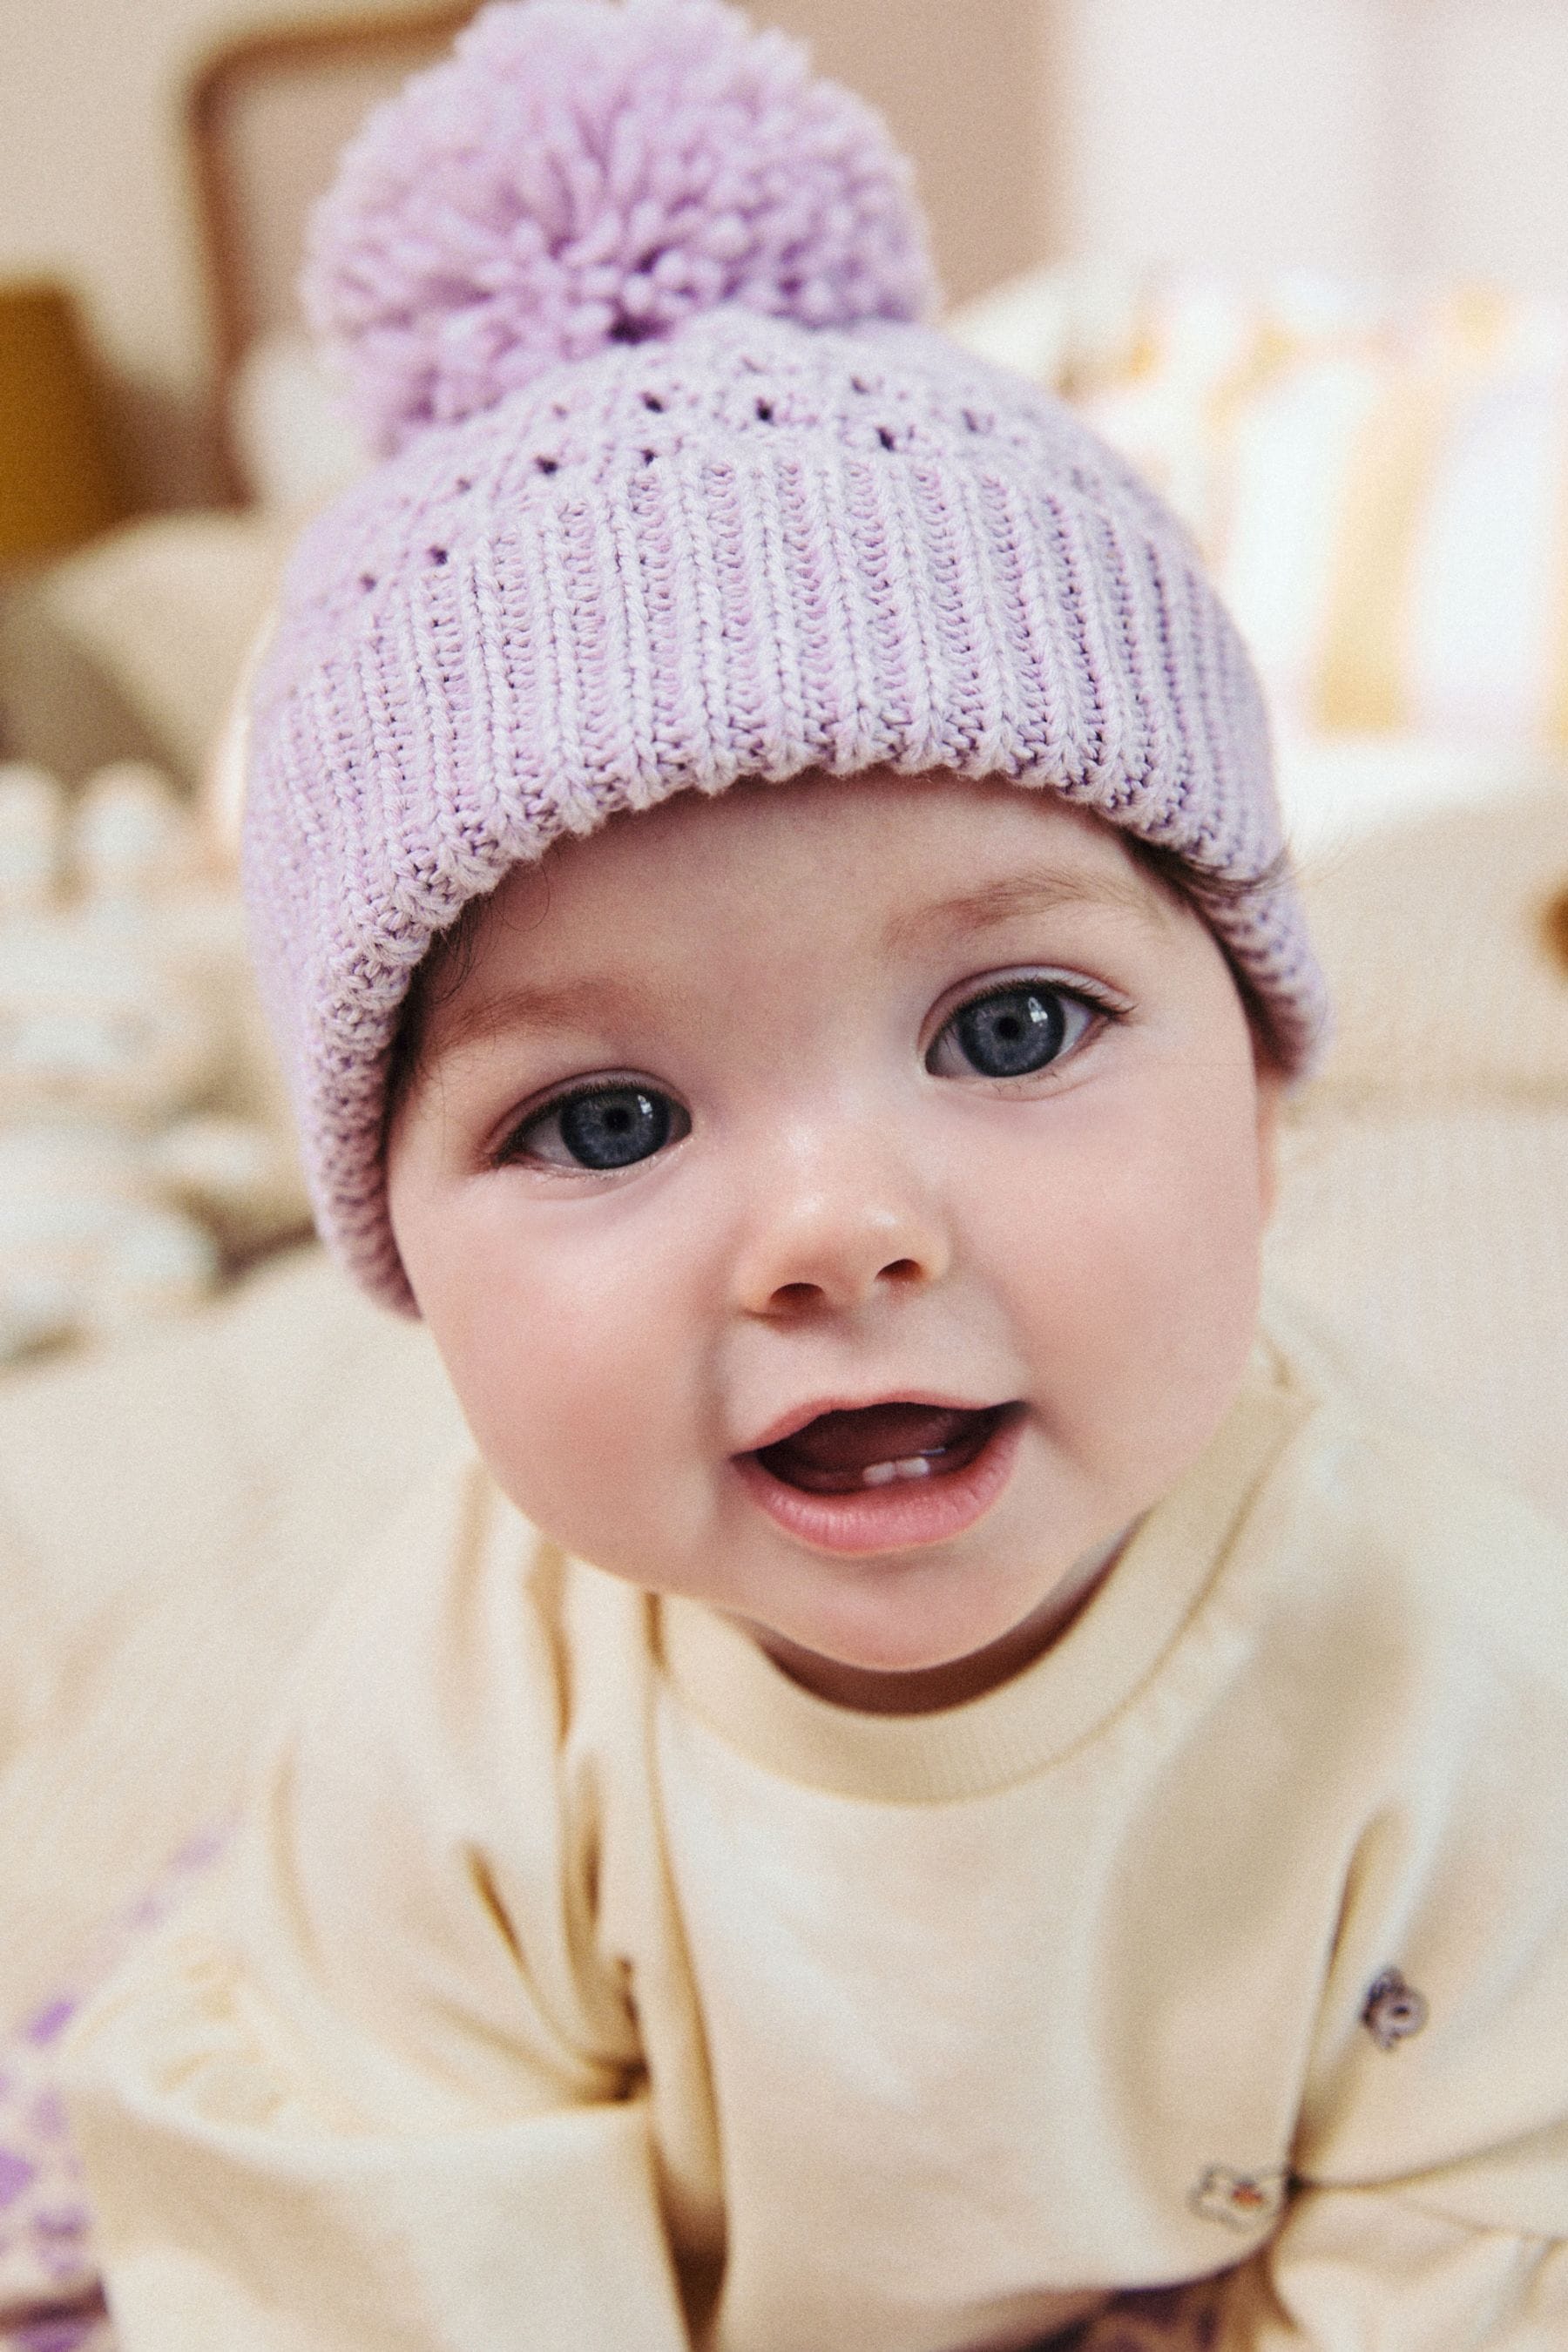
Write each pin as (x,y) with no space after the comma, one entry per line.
(47,2117)
(16,2174)
(50,2021)
(50,2294)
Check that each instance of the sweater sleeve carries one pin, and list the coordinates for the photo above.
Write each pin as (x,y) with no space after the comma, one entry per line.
(379,2088)
(1358,2266)
(1427,2206)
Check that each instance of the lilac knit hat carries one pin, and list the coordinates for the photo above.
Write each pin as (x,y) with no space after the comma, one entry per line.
(678,492)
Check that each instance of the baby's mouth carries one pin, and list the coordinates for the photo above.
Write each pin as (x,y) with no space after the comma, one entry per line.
(880,1444)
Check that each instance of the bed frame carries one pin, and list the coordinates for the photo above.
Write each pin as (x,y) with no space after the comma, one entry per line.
(265,115)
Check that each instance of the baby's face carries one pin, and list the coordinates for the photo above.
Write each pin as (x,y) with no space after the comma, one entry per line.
(841,1202)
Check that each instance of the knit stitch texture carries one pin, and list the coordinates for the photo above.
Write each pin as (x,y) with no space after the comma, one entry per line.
(747,548)
(578,174)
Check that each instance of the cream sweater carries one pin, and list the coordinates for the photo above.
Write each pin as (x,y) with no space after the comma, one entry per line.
(582,1983)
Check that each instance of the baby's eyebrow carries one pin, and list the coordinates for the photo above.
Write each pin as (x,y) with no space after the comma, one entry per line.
(587,997)
(1013,895)
(541,1005)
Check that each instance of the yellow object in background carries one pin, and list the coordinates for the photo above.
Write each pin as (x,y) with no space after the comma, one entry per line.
(59,483)
(1377,477)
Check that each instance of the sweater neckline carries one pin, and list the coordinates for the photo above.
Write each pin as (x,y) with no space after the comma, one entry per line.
(1040,1715)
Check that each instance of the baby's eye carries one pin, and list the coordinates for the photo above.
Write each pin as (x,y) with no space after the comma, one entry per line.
(1012,1032)
(601,1128)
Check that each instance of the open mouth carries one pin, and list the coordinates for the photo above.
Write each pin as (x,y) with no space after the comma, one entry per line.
(881,1446)
(886,1478)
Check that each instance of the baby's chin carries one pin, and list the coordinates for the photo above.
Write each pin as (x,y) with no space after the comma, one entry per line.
(919,1673)
(919,1634)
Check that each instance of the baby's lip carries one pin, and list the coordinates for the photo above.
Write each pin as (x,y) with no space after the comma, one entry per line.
(889,1486)
(789,1424)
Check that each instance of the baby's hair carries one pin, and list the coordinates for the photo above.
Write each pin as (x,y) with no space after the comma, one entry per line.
(1197,892)
(446,964)
(450,960)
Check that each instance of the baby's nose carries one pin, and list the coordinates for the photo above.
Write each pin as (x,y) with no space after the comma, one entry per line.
(835,1228)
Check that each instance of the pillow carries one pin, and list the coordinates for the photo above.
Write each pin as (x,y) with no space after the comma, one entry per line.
(1386,523)
(163,609)
(1436,1244)
(1424,1206)
(175,1514)
(295,442)
(1448,984)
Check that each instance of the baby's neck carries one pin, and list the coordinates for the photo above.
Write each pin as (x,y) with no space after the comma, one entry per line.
(926,1690)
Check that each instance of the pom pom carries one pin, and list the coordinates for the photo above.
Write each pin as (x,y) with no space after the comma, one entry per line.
(578,174)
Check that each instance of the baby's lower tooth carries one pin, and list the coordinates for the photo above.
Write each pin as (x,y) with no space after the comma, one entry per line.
(882,1474)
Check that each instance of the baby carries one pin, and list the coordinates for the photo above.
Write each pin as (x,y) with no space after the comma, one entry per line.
(928,1776)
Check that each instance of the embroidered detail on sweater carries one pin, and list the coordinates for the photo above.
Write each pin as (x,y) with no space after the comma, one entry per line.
(1393,2009)
(1242,2201)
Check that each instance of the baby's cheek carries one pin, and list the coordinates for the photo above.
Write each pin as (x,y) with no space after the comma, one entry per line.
(582,1407)
(1191,1274)
(1135,1282)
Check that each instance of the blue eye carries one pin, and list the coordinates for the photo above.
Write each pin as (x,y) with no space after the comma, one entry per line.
(1011,1032)
(602,1128)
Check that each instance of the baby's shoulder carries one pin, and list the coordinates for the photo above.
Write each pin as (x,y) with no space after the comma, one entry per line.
(462,1618)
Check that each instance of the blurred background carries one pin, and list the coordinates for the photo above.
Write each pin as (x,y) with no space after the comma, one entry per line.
(1219,186)
(1307,261)
(1375,137)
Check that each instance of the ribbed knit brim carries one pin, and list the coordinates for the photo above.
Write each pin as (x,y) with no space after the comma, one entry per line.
(751,550)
